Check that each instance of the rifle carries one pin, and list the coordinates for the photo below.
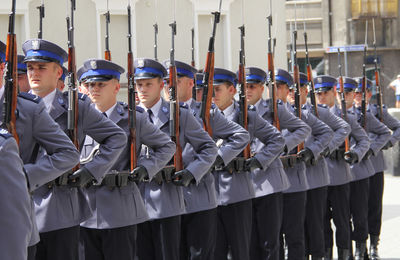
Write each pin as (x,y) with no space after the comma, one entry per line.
(208,79)
(242,90)
(271,75)
(11,78)
(173,103)
(364,84)
(107,52)
(131,98)
(342,100)
(72,124)
(155,40)
(377,77)
(311,87)
(193,62)
(41,16)
(296,80)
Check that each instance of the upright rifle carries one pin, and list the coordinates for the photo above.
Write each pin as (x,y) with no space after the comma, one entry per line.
(311,87)
(271,74)
(208,79)
(174,103)
(242,90)
(11,78)
(377,77)
(131,98)
(155,26)
(364,84)
(107,52)
(342,100)
(296,80)
(193,63)
(72,124)
(41,16)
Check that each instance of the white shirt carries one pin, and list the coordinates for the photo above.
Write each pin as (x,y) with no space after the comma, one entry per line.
(48,100)
(1,92)
(396,84)
(109,111)
(154,109)
(258,103)
(229,110)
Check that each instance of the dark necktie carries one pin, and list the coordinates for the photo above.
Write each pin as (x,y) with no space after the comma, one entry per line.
(150,113)
(105,114)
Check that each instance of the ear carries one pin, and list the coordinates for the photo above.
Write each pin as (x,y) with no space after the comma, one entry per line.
(59,70)
(117,87)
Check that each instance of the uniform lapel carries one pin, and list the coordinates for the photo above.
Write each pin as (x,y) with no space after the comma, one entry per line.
(59,105)
(163,113)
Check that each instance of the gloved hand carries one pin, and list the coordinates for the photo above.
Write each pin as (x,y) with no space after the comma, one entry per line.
(80,178)
(182,178)
(305,155)
(139,174)
(251,164)
(368,154)
(350,157)
(158,178)
(219,162)
(387,145)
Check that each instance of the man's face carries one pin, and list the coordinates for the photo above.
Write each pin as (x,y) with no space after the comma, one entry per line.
(358,97)
(43,76)
(199,94)
(149,90)
(23,82)
(303,95)
(2,66)
(223,95)
(348,97)
(104,92)
(282,91)
(254,92)
(326,97)
(185,87)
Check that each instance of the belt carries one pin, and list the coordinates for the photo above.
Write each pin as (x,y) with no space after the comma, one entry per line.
(289,161)
(235,166)
(338,154)
(60,181)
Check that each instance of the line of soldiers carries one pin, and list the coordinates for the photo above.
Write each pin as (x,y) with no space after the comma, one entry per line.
(278,204)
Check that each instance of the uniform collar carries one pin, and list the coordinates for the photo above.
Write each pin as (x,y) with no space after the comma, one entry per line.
(257,104)
(229,110)
(1,92)
(189,102)
(109,111)
(48,99)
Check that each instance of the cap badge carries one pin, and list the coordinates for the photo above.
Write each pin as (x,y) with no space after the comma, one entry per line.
(36,44)
(140,63)
(93,64)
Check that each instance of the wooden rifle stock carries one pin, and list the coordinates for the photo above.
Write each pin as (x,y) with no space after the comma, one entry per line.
(131,100)
(11,78)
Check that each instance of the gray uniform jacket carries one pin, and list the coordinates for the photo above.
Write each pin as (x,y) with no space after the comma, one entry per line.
(320,136)
(36,128)
(239,186)
(379,135)
(378,161)
(235,138)
(63,206)
(274,178)
(15,218)
(124,206)
(318,175)
(339,170)
(167,200)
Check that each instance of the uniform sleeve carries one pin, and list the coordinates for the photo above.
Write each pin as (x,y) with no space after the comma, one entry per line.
(321,134)
(204,147)
(61,155)
(298,131)
(393,125)
(15,204)
(112,140)
(341,129)
(380,131)
(235,137)
(162,148)
(360,137)
(271,138)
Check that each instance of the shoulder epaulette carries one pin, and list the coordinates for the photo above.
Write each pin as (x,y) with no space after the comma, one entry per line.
(30,97)
(251,108)
(5,134)
(183,105)
(139,109)
(280,102)
(304,107)
(82,96)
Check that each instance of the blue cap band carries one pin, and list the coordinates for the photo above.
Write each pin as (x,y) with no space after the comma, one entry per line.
(187,73)
(255,77)
(43,53)
(360,85)
(21,66)
(223,77)
(324,85)
(303,81)
(199,82)
(149,70)
(346,86)
(63,77)
(2,56)
(281,78)
(89,73)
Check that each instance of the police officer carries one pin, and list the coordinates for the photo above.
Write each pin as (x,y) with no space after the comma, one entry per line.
(23,83)
(116,204)
(317,174)
(38,131)
(378,161)
(233,182)
(59,225)
(338,206)
(379,135)
(61,80)
(15,219)
(159,238)
(294,198)
(199,224)
(199,86)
